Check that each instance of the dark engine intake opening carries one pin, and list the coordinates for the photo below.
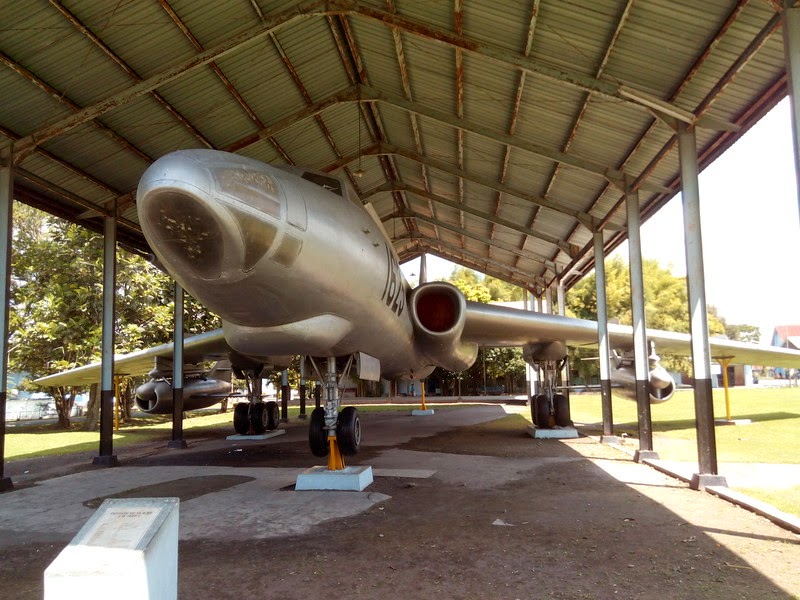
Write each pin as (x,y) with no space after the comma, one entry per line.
(436,311)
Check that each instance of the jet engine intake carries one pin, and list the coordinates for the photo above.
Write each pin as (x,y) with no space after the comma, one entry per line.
(438,312)
(660,385)
(155,396)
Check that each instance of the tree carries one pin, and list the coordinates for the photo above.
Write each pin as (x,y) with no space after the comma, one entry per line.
(56,301)
(666,304)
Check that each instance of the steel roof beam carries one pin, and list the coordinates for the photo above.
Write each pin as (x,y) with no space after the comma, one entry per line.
(609,89)
(608,173)
(466,233)
(586,219)
(484,264)
(492,219)
(271,22)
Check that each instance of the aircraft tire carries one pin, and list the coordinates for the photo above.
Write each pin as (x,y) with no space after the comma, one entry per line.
(348,431)
(258,417)
(542,414)
(317,436)
(241,418)
(273,415)
(561,409)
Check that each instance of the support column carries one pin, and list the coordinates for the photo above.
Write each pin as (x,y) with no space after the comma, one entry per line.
(640,354)
(423,269)
(562,310)
(608,436)
(177,440)
(303,389)
(106,457)
(6,212)
(285,392)
(698,316)
(791,49)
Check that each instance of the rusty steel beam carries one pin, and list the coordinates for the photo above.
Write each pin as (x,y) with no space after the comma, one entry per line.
(62,99)
(512,125)
(224,78)
(621,21)
(389,187)
(481,263)
(274,20)
(90,35)
(613,90)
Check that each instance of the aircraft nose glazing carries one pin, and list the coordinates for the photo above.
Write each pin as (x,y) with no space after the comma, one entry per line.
(212,216)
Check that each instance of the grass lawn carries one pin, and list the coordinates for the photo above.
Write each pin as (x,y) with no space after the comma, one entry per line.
(772,437)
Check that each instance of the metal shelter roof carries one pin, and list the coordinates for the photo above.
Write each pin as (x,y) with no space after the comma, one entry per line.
(498,134)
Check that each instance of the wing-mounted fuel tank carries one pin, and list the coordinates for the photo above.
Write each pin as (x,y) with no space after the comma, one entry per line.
(200,389)
(660,385)
(438,312)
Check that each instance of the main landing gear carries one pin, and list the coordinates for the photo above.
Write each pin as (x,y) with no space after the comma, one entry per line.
(332,433)
(255,416)
(550,407)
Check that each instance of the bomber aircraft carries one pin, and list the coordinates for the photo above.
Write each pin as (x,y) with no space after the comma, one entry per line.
(295,264)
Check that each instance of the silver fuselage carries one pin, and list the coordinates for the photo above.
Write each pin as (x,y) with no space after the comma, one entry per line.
(290,266)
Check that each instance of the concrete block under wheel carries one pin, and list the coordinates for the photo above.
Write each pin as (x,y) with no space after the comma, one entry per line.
(351,479)
(563,433)
(421,412)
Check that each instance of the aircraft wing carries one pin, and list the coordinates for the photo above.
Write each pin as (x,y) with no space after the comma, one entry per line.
(210,345)
(492,325)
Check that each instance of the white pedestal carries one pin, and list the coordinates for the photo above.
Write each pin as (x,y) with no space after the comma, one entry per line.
(422,412)
(128,550)
(564,433)
(352,479)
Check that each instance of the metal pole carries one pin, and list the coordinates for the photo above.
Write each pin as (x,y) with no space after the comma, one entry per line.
(640,354)
(285,396)
(6,213)
(303,389)
(106,457)
(608,436)
(177,440)
(791,49)
(698,317)
(423,269)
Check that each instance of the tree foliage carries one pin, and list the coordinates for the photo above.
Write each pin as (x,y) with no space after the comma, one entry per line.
(666,304)
(56,300)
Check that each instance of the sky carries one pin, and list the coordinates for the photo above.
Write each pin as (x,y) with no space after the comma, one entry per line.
(751,230)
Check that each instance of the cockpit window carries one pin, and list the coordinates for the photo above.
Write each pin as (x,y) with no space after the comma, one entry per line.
(329,183)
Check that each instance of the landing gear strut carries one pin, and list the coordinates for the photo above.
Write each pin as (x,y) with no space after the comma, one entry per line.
(331,433)
(255,416)
(550,407)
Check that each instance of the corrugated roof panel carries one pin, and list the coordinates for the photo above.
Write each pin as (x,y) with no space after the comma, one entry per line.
(202,98)
(311,50)
(378,55)
(547,112)
(99,155)
(141,34)
(64,178)
(24,107)
(213,22)
(489,93)
(260,77)
(604,135)
(575,35)
(150,127)
(73,65)
(502,23)
(432,73)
